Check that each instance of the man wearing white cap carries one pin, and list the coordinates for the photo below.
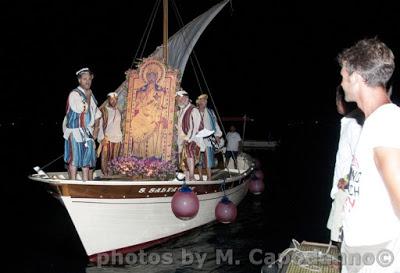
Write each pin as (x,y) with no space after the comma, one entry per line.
(110,133)
(188,125)
(208,121)
(81,127)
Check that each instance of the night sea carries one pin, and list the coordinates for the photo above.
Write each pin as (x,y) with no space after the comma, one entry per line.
(295,204)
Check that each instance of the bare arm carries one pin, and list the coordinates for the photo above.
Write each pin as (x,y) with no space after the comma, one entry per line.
(96,128)
(218,132)
(387,160)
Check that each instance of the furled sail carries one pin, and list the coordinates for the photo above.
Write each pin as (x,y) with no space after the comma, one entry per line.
(181,44)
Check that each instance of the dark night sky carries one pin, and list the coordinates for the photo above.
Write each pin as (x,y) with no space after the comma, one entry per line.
(275,62)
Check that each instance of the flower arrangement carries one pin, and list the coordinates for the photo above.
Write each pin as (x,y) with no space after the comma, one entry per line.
(143,168)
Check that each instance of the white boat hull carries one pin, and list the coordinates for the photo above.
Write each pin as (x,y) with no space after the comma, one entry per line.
(127,215)
(112,224)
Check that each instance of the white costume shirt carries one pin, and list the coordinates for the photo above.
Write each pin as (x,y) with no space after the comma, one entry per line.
(193,129)
(207,120)
(369,215)
(77,105)
(113,129)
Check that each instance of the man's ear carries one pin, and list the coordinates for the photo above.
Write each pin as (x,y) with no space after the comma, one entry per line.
(355,77)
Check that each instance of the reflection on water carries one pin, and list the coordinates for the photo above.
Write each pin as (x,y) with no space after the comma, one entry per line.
(212,248)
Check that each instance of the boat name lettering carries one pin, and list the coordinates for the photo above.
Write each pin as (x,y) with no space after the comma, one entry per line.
(160,189)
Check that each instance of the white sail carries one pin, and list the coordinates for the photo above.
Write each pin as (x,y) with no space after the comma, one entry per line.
(181,44)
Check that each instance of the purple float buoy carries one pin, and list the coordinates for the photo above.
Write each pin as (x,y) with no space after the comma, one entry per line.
(259,174)
(185,203)
(256,186)
(225,211)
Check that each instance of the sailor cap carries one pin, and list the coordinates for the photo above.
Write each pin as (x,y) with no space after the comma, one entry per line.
(182,93)
(112,94)
(83,70)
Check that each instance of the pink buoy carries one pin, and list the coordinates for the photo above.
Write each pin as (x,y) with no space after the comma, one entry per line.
(225,211)
(259,174)
(185,203)
(256,186)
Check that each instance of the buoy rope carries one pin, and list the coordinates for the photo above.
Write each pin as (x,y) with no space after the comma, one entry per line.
(223,186)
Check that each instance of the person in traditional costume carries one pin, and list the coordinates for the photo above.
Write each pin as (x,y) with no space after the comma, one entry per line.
(209,122)
(110,133)
(189,120)
(81,127)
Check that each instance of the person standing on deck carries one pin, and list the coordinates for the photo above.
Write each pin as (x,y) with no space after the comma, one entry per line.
(81,127)
(350,130)
(110,133)
(372,209)
(209,122)
(188,125)
(232,147)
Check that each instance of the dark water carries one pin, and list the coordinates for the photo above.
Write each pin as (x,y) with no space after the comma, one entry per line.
(295,204)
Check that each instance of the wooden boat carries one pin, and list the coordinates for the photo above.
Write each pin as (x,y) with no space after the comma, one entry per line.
(126,216)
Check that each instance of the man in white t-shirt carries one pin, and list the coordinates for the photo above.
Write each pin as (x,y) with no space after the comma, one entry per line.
(372,210)
(232,147)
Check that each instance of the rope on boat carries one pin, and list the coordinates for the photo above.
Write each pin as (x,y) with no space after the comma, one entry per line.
(307,259)
(222,186)
(146,32)
(230,2)
(51,162)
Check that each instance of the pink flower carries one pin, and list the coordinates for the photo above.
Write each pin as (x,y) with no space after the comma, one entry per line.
(149,167)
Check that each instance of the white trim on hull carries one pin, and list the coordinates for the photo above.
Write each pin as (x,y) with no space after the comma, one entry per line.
(109,224)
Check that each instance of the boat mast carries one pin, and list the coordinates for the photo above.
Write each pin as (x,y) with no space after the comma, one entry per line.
(165,31)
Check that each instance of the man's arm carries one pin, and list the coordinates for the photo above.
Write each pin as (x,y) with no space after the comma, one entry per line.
(240,142)
(97,116)
(387,160)
(218,132)
(96,130)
